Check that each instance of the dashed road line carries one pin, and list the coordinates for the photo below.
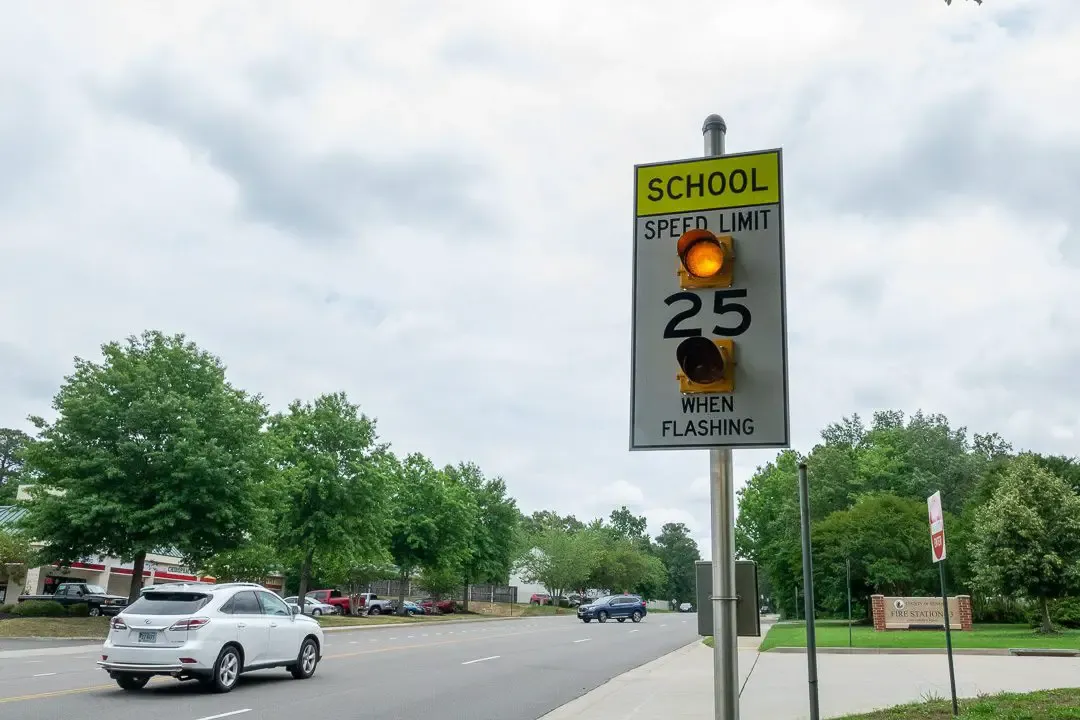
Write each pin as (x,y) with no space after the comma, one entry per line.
(226,714)
(480,660)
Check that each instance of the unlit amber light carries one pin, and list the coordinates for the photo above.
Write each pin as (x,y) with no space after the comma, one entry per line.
(704,259)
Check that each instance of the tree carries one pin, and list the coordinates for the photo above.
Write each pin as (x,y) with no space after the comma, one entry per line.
(1027,536)
(491,544)
(11,444)
(887,540)
(15,554)
(541,520)
(560,560)
(629,526)
(152,448)
(678,552)
(431,522)
(334,485)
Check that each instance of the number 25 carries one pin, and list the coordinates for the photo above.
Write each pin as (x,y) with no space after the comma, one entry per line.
(672,329)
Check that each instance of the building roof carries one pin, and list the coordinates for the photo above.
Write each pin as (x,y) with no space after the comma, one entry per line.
(10,514)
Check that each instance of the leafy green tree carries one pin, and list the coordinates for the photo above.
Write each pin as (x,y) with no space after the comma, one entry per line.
(622,566)
(334,486)
(431,522)
(152,448)
(630,526)
(15,554)
(492,542)
(678,552)
(1027,537)
(11,444)
(887,539)
(541,520)
(560,560)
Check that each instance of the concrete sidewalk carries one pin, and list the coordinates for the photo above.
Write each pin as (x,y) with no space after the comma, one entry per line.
(679,686)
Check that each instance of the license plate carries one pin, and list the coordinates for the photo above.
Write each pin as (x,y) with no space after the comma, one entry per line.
(148,637)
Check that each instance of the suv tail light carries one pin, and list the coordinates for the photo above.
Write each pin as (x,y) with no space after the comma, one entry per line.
(190,623)
(118,624)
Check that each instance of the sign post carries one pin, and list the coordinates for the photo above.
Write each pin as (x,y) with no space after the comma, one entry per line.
(709,366)
(937,549)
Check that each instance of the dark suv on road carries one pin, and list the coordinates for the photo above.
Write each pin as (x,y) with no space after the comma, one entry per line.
(619,607)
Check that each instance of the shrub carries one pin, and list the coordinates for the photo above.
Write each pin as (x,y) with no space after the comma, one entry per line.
(39,608)
(1000,610)
(79,610)
(6,609)
(1064,612)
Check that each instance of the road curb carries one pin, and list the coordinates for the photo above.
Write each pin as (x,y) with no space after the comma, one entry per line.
(52,638)
(428,623)
(891,651)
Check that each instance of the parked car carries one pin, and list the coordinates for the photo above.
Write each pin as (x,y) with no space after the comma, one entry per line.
(686,607)
(619,607)
(372,604)
(209,634)
(332,597)
(539,599)
(95,597)
(412,608)
(442,606)
(312,606)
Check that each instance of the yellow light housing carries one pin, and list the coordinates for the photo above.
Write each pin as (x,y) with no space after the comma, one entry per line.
(705,259)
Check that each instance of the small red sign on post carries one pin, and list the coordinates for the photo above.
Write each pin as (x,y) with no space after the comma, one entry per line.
(937,526)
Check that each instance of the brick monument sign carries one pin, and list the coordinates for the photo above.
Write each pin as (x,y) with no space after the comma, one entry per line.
(919,613)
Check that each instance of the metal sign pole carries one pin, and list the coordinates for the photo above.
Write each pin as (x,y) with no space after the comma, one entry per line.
(722,496)
(808,591)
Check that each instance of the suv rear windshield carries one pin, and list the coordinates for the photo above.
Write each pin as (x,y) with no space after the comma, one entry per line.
(167,603)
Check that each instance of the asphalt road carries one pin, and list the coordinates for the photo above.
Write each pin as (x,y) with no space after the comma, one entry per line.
(500,670)
(9,644)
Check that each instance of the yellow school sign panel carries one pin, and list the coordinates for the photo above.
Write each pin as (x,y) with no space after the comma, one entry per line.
(708,184)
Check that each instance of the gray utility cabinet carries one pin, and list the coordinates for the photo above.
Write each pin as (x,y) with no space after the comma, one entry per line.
(747,608)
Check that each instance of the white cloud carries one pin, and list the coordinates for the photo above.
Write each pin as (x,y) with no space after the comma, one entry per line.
(408,201)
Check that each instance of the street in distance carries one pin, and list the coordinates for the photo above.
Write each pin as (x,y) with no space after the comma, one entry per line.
(738,199)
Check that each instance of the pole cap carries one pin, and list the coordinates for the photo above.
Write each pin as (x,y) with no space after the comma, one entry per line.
(714,122)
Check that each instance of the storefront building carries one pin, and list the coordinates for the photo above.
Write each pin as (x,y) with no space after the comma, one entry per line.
(110,573)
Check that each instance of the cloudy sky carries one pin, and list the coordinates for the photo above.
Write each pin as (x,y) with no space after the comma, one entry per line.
(429,205)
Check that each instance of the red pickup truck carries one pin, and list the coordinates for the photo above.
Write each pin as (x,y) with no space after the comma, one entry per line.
(333,597)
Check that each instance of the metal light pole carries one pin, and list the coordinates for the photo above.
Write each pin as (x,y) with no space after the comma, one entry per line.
(722,496)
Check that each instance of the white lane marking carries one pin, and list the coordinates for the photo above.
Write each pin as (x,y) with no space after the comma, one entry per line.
(228,714)
(583,640)
(44,674)
(29,662)
(493,657)
(664,625)
(353,642)
(394,638)
(424,635)
(410,637)
(633,631)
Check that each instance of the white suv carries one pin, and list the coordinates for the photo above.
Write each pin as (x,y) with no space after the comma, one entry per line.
(210,633)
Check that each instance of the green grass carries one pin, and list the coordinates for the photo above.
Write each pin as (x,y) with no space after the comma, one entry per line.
(59,627)
(835,634)
(1043,705)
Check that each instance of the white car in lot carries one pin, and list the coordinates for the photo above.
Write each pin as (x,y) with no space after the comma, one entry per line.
(209,633)
(312,606)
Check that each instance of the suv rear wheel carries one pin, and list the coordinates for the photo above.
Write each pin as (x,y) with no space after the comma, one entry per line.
(374,611)
(226,671)
(636,617)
